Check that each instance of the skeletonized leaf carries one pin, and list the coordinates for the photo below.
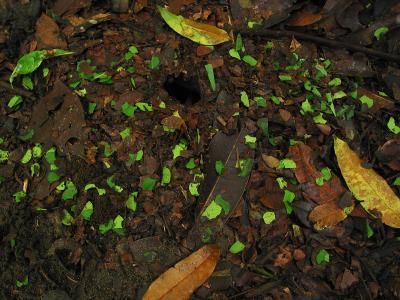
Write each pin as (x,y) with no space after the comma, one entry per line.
(203,34)
(181,280)
(367,186)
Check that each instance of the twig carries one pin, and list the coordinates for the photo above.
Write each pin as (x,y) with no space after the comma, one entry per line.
(320,40)
(16,90)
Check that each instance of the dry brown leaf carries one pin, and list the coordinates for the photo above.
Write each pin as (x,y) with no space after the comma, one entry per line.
(173,122)
(305,18)
(367,186)
(180,281)
(326,215)
(306,174)
(48,34)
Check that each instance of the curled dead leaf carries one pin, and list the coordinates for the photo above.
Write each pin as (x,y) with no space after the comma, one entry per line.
(368,186)
(181,280)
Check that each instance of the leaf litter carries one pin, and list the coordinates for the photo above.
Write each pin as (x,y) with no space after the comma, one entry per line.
(140,173)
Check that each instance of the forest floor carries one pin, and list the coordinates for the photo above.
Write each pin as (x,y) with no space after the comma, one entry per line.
(122,159)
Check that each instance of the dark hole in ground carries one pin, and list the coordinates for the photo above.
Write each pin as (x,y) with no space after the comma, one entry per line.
(184,89)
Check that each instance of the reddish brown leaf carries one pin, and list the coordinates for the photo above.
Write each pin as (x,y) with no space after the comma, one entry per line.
(305,18)
(48,34)
(181,280)
(306,173)
(326,215)
(379,101)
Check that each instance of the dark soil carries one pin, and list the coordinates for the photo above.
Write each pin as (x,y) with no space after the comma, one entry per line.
(73,260)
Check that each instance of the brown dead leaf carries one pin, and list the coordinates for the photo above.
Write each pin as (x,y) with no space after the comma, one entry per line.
(174,122)
(368,186)
(305,18)
(48,34)
(180,281)
(306,173)
(379,101)
(326,215)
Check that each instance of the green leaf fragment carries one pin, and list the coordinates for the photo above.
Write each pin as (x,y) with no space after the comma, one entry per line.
(154,62)
(378,33)
(260,101)
(23,282)
(27,156)
(131,202)
(112,185)
(319,119)
(283,77)
(27,83)
(269,217)
(212,211)
(392,126)
(250,60)
(262,123)
(250,141)
(397,181)
(234,53)
(275,100)
(118,227)
(322,256)
(219,167)
(91,107)
(70,191)
(191,164)
(223,203)
(245,166)
(211,77)
(166,176)
(125,133)
(287,164)
(367,101)
(14,101)
(67,219)
(244,99)
(148,184)
(37,151)
(193,188)
(335,82)
(18,196)
(104,228)
(236,247)
(281,182)
(128,109)
(177,150)
(288,198)
(52,177)
(370,231)
(87,211)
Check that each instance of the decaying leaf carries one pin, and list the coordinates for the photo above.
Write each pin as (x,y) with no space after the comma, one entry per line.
(203,34)
(181,280)
(306,173)
(367,186)
(326,215)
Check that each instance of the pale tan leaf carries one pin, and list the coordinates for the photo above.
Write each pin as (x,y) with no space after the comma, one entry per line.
(180,281)
(367,186)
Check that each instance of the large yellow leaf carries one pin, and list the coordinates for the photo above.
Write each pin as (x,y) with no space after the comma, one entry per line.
(180,281)
(368,186)
(203,34)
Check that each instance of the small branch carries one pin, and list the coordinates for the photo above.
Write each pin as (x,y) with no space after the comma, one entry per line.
(16,90)
(321,41)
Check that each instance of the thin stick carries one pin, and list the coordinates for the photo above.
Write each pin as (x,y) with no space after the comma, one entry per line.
(320,40)
(16,90)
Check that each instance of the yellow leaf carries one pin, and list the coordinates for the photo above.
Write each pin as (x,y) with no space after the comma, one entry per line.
(181,280)
(203,34)
(368,186)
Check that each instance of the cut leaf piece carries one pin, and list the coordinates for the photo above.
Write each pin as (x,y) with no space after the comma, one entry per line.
(367,186)
(180,281)
(203,34)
